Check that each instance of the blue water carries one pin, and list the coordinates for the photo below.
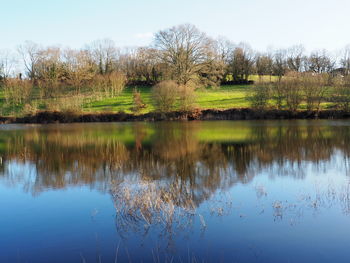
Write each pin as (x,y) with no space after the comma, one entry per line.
(62,195)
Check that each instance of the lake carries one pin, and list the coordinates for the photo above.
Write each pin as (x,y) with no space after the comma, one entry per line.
(224,191)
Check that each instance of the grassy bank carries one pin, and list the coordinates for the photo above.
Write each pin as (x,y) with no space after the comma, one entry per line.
(45,117)
(221,98)
(224,97)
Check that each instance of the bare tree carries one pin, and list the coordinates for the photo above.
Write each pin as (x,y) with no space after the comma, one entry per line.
(320,62)
(104,54)
(224,48)
(7,64)
(186,50)
(279,63)
(263,65)
(30,53)
(49,71)
(78,68)
(345,60)
(314,89)
(241,62)
(295,58)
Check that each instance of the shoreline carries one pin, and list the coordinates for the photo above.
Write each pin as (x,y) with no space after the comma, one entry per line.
(46,117)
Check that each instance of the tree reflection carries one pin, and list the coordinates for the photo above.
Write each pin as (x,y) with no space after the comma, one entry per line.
(160,173)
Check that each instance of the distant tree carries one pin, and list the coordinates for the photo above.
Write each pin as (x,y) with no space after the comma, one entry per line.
(320,62)
(224,49)
(263,64)
(241,62)
(104,54)
(279,63)
(345,60)
(78,67)
(7,64)
(49,71)
(186,51)
(30,53)
(295,58)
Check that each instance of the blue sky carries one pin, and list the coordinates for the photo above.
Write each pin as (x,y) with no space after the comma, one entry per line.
(262,24)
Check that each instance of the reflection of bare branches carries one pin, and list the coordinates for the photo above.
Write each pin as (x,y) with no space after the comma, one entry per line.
(146,205)
(325,196)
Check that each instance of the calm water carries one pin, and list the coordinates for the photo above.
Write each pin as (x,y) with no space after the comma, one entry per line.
(276,191)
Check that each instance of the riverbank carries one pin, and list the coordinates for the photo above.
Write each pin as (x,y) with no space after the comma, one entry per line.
(45,117)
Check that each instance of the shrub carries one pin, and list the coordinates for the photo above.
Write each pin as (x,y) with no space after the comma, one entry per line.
(17,91)
(165,95)
(342,93)
(111,84)
(186,97)
(137,101)
(259,96)
(65,104)
(291,87)
(314,88)
(278,94)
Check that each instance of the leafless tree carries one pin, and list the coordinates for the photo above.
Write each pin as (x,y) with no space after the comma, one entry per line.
(314,88)
(186,50)
(104,54)
(7,64)
(279,63)
(78,68)
(241,62)
(345,60)
(263,64)
(30,53)
(49,71)
(320,62)
(295,58)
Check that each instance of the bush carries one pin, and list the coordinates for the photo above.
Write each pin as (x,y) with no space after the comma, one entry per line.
(17,91)
(278,94)
(342,93)
(65,104)
(259,96)
(137,101)
(165,95)
(186,97)
(288,90)
(314,89)
(111,84)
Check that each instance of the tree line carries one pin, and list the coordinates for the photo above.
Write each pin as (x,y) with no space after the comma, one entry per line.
(180,59)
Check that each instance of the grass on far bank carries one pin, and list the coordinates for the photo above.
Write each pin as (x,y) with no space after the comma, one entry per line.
(221,98)
(224,97)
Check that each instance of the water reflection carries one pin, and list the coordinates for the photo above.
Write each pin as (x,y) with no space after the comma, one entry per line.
(202,156)
(159,175)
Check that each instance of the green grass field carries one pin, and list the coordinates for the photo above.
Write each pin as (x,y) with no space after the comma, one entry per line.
(222,98)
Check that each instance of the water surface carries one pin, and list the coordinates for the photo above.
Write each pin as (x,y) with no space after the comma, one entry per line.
(247,191)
